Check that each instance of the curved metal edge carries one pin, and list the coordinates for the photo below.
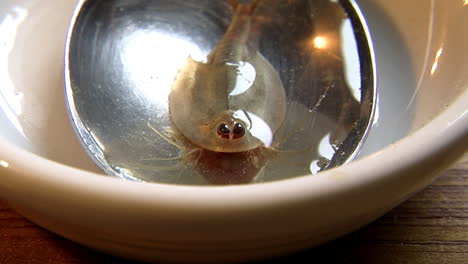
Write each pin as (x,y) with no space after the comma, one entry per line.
(85,138)
(366,53)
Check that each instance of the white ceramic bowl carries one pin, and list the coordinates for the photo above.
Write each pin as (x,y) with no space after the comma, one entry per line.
(421,128)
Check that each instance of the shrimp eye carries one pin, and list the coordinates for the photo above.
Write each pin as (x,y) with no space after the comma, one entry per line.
(238,130)
(223,130)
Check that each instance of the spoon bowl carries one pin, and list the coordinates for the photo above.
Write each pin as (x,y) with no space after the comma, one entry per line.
(123,60)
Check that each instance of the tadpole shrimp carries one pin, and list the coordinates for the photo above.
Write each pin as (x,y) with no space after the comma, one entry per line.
(225,112)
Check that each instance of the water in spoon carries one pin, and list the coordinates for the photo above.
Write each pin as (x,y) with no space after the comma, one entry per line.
(219,92)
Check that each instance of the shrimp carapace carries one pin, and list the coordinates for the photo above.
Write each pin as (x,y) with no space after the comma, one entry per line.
(234,102)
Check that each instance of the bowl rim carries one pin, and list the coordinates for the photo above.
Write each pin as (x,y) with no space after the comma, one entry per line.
(413,149)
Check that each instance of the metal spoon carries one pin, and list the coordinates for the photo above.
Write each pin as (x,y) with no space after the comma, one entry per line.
(219,92)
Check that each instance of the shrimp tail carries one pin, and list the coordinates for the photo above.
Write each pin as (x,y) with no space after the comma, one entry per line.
(246,7)
(232,47)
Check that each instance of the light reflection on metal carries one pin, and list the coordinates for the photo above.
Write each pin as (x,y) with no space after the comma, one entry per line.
(325,149)
(376,120)
(320,42)
(10,99)
(4,164)
(245,79)
(259,128)
(314,167)
(96,140)
(351,60)
(151,76)
(436,61)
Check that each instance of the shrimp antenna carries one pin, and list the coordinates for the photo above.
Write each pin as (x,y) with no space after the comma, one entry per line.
(248,117)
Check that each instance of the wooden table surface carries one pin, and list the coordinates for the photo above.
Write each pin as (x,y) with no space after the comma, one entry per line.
(431,227)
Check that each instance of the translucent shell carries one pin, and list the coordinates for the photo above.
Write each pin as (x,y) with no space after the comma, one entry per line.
(249,93)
